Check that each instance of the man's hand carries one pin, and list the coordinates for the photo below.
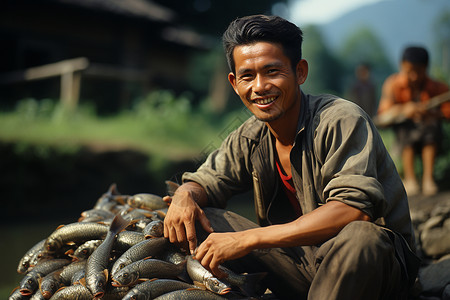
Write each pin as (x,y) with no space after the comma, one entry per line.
(220,247)
(179,223)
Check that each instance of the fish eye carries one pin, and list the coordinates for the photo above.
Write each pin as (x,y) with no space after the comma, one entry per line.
(125,275)
(122,265)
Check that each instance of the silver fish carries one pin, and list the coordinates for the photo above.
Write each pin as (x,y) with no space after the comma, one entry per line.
(127,239)
(201,276)
(16,295)
(151,289)
(97,263)
(73,292)
(147,248)
(75,233)
(85,250)
(29,283)
(50,284)
(147,201)
(25,261)
(147,269)
(190,294)
(69,271)
(154,229)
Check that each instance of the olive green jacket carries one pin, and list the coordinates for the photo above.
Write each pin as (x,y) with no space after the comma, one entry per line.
(338,154)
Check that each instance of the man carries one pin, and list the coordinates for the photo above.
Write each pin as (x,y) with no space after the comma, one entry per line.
(321,179)
(362,91)
(407,93)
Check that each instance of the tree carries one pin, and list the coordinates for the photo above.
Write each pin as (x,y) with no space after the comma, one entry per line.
(364,46)
(324,68)
(441,59)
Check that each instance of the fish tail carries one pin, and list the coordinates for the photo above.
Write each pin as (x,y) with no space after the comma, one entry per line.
(252,284)
(118,224)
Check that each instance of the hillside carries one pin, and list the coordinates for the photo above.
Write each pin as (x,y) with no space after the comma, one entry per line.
(397,23)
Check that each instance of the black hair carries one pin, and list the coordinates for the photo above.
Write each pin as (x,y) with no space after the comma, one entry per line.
(258,28)
(416,55)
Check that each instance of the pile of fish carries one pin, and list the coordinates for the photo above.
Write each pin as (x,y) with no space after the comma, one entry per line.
(117,250)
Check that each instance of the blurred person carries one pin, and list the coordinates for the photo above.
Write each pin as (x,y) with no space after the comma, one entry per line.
(362,91)
(333,215)
(406,94)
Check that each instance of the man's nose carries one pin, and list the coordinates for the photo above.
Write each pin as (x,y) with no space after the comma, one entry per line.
(260,84)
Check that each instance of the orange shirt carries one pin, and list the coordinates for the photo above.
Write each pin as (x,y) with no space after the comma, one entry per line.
(402,91)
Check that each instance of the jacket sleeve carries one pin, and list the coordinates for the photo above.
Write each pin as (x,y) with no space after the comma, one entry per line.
(350,152)
(226,170)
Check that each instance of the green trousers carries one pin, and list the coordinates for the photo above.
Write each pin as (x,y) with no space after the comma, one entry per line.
(364,261)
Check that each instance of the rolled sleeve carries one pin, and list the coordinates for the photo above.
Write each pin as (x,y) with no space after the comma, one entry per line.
(349,159)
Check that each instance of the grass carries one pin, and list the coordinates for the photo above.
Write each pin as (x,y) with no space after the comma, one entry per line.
(160,125)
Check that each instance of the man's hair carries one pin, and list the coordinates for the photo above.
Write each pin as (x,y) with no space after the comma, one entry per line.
(416,55)
(261,28)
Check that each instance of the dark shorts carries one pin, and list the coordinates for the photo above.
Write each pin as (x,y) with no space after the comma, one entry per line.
(418,135)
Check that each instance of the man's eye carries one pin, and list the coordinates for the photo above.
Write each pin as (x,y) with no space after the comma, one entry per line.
(246,76)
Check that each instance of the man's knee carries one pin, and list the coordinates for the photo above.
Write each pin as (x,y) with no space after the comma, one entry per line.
(365,242)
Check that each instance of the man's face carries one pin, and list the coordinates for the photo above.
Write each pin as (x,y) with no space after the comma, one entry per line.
(415,73)
(265,80)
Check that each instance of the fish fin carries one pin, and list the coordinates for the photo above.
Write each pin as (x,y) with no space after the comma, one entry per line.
(160,214)
(82,281)
(121,199)
(113,189)
(70,243)
(153,279)
(200,285)
(192,289)
(70,252)
(61,288)
(60,226)
(118,224)
(106,273)
(140,280)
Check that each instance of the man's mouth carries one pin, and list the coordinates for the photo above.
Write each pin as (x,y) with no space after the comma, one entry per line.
(264,101)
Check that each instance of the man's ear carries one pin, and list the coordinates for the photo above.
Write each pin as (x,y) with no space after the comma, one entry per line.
(302,71)
(232,80)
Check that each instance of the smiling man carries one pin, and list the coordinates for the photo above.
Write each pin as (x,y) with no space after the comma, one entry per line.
(333,215)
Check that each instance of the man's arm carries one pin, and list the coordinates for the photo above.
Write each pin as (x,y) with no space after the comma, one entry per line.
(184,210)
(310,229)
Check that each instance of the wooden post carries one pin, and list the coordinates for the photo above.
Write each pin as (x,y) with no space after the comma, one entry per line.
(69,70)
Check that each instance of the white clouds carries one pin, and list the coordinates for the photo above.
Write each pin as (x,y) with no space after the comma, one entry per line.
(321,11)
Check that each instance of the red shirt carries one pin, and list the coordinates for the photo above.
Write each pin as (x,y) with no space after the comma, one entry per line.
(289,189)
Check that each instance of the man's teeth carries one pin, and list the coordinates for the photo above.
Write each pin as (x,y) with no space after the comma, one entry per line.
(265,101)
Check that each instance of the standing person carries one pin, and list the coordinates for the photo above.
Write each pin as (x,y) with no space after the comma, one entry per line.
(363,90)
(333,214)
(406,93)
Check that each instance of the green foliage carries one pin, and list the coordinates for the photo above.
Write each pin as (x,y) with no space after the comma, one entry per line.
(324,69)
(363,46)
(162,124)
(440,62)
